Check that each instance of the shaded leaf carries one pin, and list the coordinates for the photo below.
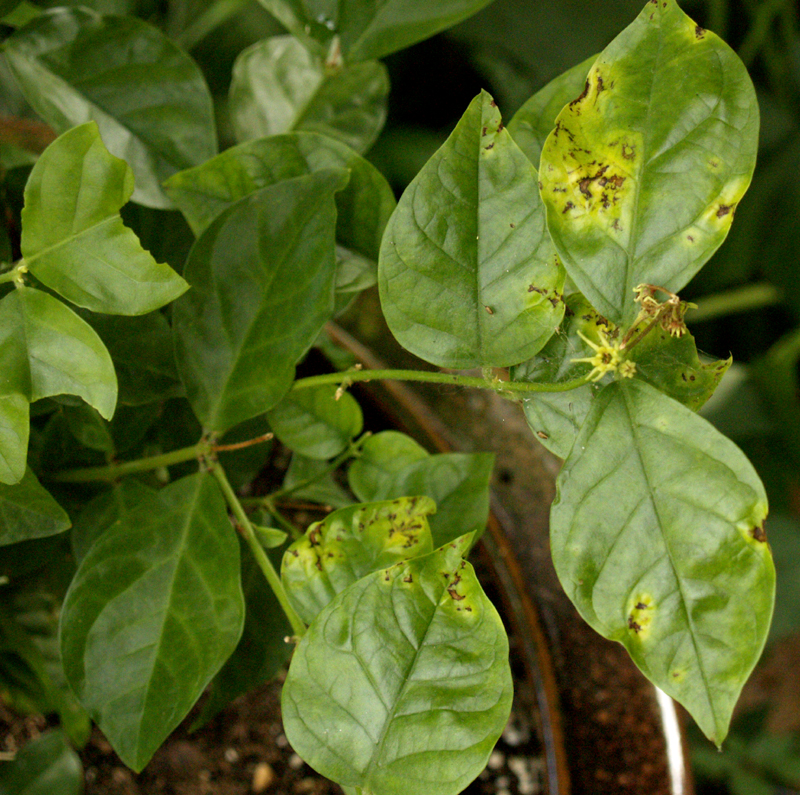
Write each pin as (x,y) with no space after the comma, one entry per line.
(148,97)
(350,543)
(46,349)
(14,431)
(556,417)
(44,766)
(645,168)
(262,650)
(363,206)
(535,120)
(657,537)
(153,612)
(370,30)
(89,428)
(401,686)
(311,479)
(468,276)
(73,239)
(316,422)
(28,511)
(382,457)
(141,348)
(279,86)
(262,276)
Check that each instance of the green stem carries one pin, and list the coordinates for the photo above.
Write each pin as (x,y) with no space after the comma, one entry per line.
(521,387)
(740,299)
(8,276)
(114,471)
(275,512)
(263,561)
(211,18)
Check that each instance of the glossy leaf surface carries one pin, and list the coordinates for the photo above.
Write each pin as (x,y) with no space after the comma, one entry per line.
(401,686)
(468,276)
(73,238)
(279,86)
(46,349)
(311,479)
(44,766)
(148,97)
(262,280)
(28,511)
(369,29)
(363,206)
(153,612)
(646,166)
(350,543)
(657,537)
(535,120)
(457,482)
(315,422)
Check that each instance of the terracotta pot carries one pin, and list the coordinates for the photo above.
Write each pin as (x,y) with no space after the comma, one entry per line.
(603,728)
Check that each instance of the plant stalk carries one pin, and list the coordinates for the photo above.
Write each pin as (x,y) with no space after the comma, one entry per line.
(740,299)
(211,18)
(263,561)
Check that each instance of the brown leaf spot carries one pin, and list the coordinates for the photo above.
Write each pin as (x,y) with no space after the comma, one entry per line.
(759,533)
(489,310)
(568,206)
(633,625)
(408,578)
(454,594)
(628,151)
(489,146)
(690,238)
(542,435)
(723,210)
(581,96)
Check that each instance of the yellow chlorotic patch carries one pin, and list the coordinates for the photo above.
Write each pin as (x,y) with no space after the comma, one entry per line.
(640,615)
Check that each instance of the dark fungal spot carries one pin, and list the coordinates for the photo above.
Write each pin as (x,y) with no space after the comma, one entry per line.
(455,595)
(683,376)
(568,206)
(483,132)
(542,435)
(581,96)
(759,534)
(723,210)
(489,146)
(699,32)
(408,578)
(513,226)
(628,151)
(690,238)
(633,625)
(500,128)
(493,104)
(641,606)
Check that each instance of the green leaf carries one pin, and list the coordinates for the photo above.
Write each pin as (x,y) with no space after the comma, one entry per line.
(556,417)
(73,238)
(279,86)
(46,349)
(370,30)
(99,513)
(350,543)
(148,97)
(457,482)
(89,428)
(672,365)
(401,686)
(657,537)
(262,277)
(645,168)
(468,276)
(44,766)
(311,479)
(363,207)
(28,511)
(317,423)
(141,348)
(153,612)
(14,431)
(262,650)
(383,456)
(535,120)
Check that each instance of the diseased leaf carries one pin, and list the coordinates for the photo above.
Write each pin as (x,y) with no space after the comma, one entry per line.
(672,365)
(370,30)
(316,422)
(535,120)
(467,274)
(428,688)
(262,280)
(350,543)
(153,612)
(278,86)
(44,766)
(14,431)
(46,349)
(28,511)
(657,537)
(148,97)
(641,179)
(363,207)
(73,239)
(457,482)
(556,417)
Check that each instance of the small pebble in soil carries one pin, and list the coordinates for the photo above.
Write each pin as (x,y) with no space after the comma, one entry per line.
(496,760)
(231,755)
(295,762)
(263,776)
(527,780)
